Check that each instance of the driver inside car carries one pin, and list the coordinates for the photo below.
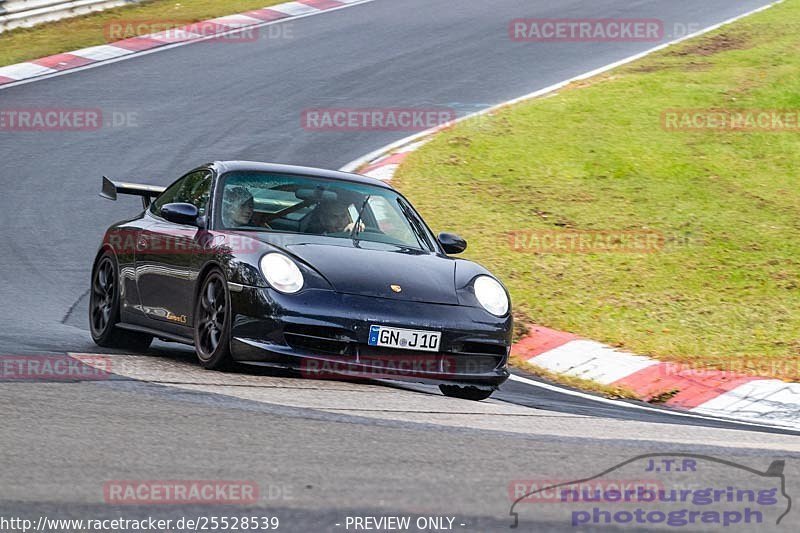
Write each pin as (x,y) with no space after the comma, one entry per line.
(238,208)
(333,217)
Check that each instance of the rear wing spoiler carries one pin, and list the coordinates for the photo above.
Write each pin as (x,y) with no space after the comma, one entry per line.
(110,190)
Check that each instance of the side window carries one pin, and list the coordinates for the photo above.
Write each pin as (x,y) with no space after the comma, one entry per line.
(167,197)
(194,188)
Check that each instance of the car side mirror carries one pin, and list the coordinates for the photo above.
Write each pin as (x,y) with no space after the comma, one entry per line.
(180,213)
(452,243)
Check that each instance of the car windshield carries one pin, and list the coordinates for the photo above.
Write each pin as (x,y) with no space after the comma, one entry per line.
(262,201)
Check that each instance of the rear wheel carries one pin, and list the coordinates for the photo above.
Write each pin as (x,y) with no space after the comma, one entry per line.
(212,322)
(465,393)
(104,310)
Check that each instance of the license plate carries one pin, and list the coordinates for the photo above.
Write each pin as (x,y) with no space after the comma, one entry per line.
(405,339)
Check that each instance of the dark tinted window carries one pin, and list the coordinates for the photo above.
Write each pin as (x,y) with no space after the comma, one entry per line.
(311,205)
(194,188)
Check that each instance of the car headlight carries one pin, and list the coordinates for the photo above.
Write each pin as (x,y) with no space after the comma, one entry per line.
(491,295)
(282,273)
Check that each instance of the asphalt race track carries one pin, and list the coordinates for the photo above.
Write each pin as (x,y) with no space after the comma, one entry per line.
(319,450)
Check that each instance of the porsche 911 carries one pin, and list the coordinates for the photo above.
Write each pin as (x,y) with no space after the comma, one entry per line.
(329,273)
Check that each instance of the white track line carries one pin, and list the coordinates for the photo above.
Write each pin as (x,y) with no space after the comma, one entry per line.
(141,53)
(354,165)
(627,405)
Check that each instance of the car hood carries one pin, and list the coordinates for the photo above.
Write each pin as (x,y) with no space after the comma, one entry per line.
(370,269)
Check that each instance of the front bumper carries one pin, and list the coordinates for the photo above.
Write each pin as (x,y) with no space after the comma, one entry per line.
(323,333)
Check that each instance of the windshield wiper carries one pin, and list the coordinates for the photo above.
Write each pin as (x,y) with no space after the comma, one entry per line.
(354,232)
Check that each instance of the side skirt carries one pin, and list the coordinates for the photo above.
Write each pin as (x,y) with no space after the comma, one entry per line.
(171,337)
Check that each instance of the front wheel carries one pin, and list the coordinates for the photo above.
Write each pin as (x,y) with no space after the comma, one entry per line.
(465,393)
(104,310)
(212,322)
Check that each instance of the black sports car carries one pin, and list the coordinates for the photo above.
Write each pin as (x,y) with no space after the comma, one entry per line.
(325,272)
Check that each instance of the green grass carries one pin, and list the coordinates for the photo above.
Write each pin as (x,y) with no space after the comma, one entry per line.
(724,291)
(23,44)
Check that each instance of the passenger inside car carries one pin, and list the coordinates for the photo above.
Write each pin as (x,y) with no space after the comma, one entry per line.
(237,208)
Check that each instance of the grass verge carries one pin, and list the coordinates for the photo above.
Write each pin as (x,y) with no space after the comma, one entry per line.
(599,162)
(23,44)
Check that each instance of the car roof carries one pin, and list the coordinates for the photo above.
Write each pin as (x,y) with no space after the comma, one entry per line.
(254,166)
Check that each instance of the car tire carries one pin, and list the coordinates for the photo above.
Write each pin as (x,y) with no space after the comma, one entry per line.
(465,393)
(104,309)
(212,322)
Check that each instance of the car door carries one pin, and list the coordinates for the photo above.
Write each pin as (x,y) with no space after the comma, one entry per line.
(164,253)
